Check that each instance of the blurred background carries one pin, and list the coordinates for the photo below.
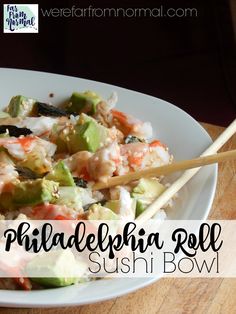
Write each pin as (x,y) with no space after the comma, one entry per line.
(189,61)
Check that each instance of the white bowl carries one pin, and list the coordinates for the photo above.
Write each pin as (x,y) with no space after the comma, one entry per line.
(184,136)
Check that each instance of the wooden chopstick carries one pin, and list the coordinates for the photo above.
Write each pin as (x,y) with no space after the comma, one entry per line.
(167,169)
(185,177)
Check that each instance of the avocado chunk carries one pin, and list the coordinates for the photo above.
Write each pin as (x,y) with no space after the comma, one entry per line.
(145,193)
(36,162)
(58,137)
(31,193)
(61,173)
(148,188)
(84,137)
(55,269)
(21,106)
(2,135)
(101,130)
(4,115)
(87,134)
(114,205)
(141,205)
(61,145)
(98,212)
(83,102)
(69,196)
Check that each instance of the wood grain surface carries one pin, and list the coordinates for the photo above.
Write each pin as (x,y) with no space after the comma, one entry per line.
(176,296)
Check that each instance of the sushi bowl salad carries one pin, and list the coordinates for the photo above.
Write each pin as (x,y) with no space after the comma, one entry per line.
(51,156)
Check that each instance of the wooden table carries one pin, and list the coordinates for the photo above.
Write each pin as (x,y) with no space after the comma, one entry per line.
(208,296)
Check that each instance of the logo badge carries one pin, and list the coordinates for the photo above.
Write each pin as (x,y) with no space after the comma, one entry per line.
(20,18)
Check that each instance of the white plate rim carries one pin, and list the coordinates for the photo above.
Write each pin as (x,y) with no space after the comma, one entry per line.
(145,281)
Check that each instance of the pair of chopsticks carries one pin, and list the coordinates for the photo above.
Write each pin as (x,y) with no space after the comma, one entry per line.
(209,156)
(167,169)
